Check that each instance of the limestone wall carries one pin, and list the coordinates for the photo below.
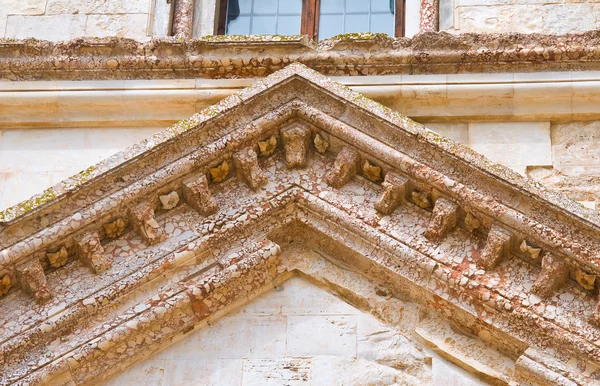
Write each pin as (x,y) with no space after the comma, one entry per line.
(297,334)
(66,19)
(141,19)
(526,16)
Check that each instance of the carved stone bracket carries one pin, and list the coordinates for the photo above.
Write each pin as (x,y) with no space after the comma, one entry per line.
(443,219)
(296,142)
(345,167)
(394,191)
(91,252)
(197,194)
(496,248)
(246,163)
(555,272)
(33,280)
(142,218)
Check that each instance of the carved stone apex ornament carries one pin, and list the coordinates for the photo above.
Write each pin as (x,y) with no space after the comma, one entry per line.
(91,252)
(142,218)
(33,280)
(345,167)
(443,219)
(394,190)
(197,194)
(246,163)
(555,272)
(496,248)
(296,143)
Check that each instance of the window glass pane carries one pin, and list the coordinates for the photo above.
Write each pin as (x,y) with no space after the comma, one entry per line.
(383,23)
(332,6)
(239,26)
(265,6)
(330,25)
(356,23)
(382,6)
(356,16)
(259,17)
(288,25)
(353,6)
(264,25)
(287,7)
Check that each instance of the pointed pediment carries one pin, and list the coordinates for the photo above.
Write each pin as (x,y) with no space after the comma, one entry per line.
(192,221)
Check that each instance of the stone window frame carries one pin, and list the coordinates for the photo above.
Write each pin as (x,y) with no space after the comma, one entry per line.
(182,14)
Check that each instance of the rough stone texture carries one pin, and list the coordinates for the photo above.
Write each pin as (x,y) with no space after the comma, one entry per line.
(371,54)
(204,267)
(530,16)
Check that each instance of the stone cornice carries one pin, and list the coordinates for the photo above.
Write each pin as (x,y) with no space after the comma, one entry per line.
(363,54)
(296,151)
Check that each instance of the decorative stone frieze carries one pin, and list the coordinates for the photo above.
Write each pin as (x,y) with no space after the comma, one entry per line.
(394,193)
(443,219)
(422,199)
(296,140)
(219,173)
(370,54)
(555,272)
(197,194)
(248,170)
(344,168)
(33,280)
(144,223)
(91,252)
(497,248)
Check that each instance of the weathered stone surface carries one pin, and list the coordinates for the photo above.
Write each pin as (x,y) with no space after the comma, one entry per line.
(554,275)
(344,168)
(91,252)
(33,281)
(497,248)
(248,170)
(443,219)
(296,142)
(144,223)
(197,194)
(394,193)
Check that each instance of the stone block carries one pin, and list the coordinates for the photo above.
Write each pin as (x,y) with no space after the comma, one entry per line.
(456,131)
(129,25)
(321,335)
(58,7)
(512,143)
(55,28)
(147,373)
(575,147)
(203,371)
(275,372)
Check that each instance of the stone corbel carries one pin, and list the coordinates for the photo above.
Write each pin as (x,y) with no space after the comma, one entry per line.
(555,272)
(142,218)
(443,219)
(345,167)
(33,280)
(91,252)
(197,194)
(296,142)
(496,248)
(246,163)
(394,192)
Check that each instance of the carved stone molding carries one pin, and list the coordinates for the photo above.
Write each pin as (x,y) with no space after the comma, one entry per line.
(296,141)
(497,248)
(142,217)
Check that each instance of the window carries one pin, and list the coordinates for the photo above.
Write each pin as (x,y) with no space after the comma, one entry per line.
(319,19)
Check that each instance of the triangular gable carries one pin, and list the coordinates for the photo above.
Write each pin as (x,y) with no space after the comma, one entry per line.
(296,158)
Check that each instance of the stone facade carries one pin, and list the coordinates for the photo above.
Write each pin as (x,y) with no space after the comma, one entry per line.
(297,229)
